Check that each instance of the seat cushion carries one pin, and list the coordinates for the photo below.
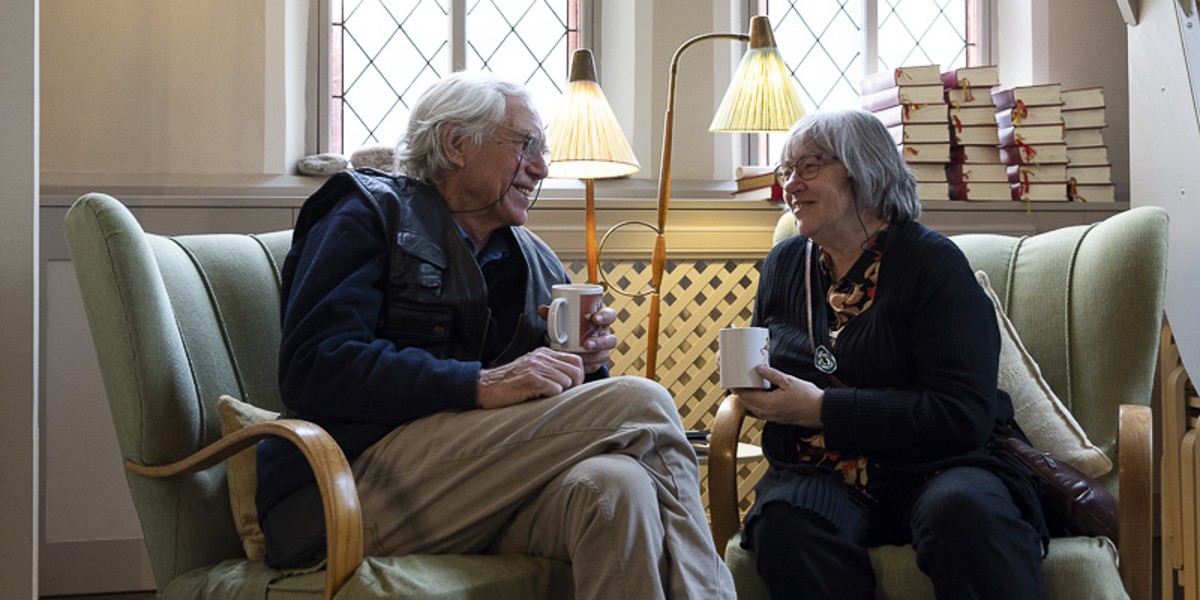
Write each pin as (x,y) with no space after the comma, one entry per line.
(424,576)
(1077,568)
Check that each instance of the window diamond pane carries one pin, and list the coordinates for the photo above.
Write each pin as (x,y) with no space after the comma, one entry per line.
(915,32)
(822,42)
(525,41)
(387,52)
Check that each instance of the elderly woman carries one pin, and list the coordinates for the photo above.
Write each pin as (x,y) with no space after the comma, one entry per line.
(414,332)
(884,352)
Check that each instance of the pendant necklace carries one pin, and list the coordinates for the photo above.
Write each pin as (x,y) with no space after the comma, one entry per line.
(823,358)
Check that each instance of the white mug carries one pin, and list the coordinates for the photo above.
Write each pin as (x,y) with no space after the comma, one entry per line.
(740,349)
(570,320)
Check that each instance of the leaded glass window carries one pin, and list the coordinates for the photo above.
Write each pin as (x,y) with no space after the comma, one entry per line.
(385,53)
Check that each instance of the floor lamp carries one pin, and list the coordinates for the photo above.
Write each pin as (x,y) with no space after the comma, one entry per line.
(762,97)
(587,143)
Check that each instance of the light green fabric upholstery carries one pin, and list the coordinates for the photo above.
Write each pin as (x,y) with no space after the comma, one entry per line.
(178,321)
(1087,302)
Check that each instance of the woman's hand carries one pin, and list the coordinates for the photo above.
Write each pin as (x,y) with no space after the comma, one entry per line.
(793,402)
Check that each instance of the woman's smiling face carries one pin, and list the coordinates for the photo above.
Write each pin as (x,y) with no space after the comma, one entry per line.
(819,195)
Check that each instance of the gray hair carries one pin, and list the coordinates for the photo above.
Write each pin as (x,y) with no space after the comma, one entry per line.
(475,102)
(879,178)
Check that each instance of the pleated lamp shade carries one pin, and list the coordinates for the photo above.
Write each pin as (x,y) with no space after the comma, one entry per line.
(586,142)
(762,95)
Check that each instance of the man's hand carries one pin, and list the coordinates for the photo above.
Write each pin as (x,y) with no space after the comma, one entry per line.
(543,372)
(600,345)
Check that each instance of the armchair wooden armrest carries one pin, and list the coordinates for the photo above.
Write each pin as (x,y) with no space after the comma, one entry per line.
(339,496)
(1136,519)
(722,471)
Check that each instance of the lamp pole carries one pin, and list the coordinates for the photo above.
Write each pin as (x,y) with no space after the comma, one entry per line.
(658,261)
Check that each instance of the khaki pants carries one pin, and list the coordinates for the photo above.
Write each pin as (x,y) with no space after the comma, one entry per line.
(600,476)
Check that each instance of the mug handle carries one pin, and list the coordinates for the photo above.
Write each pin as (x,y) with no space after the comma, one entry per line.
(558,334)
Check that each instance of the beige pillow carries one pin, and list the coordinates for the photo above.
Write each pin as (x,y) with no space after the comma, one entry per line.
(1041,415)
(242,474)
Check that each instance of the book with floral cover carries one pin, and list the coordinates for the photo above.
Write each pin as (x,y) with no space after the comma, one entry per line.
(1028,95)
(900,76)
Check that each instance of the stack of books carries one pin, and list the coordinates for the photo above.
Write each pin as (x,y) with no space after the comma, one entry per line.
(910,103)
(756,183)
(1032,141)
(974,171)
(1089,174)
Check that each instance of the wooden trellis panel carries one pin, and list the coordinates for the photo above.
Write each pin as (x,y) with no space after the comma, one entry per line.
(699,298)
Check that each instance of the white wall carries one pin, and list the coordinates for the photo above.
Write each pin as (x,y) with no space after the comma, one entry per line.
(1164,148)
(172,86)
(18,298)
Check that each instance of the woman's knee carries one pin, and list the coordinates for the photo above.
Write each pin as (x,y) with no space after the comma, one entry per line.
(961,505)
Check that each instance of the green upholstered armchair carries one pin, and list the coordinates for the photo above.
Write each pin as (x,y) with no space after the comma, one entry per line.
(179,321)
(1087,302)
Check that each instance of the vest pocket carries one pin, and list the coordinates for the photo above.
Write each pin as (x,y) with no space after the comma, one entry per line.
(420,325)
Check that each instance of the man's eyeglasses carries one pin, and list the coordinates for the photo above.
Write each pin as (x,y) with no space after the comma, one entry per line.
(807,167)
(532,146)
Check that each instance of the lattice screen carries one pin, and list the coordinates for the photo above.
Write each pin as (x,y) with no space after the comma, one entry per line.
(699,298)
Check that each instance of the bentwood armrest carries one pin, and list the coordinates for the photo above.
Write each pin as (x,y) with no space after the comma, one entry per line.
(339,496)
(1136,517)
(722,471)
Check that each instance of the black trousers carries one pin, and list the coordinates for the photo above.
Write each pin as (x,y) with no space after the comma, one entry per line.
(969,538)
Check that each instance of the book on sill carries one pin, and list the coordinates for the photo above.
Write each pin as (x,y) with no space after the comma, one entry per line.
(963,116)
(974,135)
(977,172)
(1084,137)
(1092,192)
(920,132)
(1028,95)
(1046,191)
(903,114)
(1049,114)
(772,191)
(1084,118)
(900,76)
(982,77)
(754,182)
(928,172)
(1034,154)
(932,190)
(752,170)
(909,94)
(959,98)
(1090,173)
(1041,172)
(1092,97)
(1087,155)
(925,153)
(981,191)
(1031,134)
(974,154)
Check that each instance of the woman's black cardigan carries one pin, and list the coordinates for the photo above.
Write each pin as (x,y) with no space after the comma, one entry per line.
(919,365)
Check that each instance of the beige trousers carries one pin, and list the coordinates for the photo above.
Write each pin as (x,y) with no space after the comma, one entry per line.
(600,476)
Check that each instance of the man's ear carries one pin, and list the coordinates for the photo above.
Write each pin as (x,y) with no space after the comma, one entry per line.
(454,144)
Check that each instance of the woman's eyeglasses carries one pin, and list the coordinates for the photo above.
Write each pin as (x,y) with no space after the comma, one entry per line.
(806,167)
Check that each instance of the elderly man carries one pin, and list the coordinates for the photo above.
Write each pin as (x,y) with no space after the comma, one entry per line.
(414,332)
